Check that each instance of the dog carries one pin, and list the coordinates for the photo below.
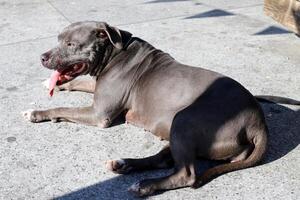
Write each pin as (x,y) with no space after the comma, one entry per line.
(203,114)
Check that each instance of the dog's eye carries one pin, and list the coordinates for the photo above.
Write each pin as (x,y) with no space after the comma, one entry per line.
(102,34)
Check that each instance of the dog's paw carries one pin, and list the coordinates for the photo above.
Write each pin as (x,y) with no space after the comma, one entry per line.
(32,116)
(46,84)
(28,115)
(141,189)
(118,166)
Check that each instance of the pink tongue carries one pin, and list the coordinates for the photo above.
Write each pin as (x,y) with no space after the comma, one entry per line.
(53,80)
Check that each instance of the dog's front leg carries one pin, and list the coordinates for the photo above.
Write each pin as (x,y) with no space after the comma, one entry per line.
(75,85)
(83,115)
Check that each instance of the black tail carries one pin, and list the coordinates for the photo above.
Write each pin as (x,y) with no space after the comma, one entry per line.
(277,99)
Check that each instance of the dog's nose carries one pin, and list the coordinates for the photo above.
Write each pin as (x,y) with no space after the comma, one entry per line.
(44,58)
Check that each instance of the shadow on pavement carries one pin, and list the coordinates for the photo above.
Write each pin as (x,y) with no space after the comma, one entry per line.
(272,30)
(211,13)
(284,126)
(112,189)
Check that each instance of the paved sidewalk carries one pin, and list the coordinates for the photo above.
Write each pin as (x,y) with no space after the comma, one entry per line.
(66,161)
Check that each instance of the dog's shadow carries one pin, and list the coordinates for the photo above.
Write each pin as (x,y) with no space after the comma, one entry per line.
(284,127)
(283,124)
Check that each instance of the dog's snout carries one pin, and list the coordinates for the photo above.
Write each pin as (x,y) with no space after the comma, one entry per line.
(45,58)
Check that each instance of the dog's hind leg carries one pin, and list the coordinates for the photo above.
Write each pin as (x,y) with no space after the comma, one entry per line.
(161,160)
(259,142)
(184,175)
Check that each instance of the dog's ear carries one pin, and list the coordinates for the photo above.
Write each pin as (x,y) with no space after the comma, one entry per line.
(119,38)
(114,36)
(126,37)
(112,33)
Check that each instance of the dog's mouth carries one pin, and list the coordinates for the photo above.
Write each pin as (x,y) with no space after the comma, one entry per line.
(66,74)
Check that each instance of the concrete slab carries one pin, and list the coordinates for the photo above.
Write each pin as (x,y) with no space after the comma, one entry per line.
(27,20)
(126,12)
(66,161)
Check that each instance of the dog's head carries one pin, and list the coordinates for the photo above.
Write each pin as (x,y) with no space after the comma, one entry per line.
(83,48)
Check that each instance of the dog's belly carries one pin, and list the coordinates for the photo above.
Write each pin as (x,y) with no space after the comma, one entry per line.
(158,125)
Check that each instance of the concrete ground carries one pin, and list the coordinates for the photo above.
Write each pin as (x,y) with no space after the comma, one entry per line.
(66,161)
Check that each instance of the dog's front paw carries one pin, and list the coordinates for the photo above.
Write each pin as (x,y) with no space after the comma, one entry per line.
(141,189)
(118,166)
(28,115)
(33,116)
(46,84)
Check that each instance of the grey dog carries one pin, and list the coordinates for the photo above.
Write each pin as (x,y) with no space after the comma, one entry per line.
(203,114)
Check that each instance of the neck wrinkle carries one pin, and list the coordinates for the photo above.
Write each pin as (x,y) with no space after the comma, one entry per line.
(109,54)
